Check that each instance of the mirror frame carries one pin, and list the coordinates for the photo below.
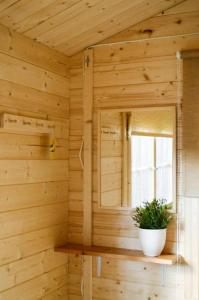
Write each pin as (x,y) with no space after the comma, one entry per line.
(175,154)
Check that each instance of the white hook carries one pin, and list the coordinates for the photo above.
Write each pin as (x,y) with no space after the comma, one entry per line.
(80,155)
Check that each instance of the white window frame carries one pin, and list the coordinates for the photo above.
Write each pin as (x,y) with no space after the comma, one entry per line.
(155,136)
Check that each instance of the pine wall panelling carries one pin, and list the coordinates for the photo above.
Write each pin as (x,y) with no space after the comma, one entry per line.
(134,74)
(34,82)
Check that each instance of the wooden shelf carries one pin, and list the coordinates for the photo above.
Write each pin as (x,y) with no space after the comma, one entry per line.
(119,253)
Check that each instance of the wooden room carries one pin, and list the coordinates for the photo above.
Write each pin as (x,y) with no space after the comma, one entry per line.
(99,149)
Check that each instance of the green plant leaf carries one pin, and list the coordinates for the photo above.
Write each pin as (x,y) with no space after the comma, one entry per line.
(153,215)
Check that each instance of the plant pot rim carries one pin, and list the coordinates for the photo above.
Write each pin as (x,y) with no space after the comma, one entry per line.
(152,229)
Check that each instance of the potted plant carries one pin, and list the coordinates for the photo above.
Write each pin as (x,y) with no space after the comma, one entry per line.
(152,219)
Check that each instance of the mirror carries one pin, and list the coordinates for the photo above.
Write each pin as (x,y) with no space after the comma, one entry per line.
(136,156)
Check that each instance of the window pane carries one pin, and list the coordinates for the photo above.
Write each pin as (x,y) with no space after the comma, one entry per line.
(164,151)
(142,168)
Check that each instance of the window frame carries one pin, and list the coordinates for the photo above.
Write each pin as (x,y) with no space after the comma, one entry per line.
(154,136)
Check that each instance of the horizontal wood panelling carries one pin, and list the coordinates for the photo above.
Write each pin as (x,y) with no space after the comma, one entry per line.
(27,171)
(119,83)
(145,49)
(135,73)
(40,55)
(59,294)
(27,220)
(38,287)
(138,94)
(32,76)
(28,101)
(33,181)
(16,197)
(27,244)
(20,146)
(22,270)
(137,273)
(106,288)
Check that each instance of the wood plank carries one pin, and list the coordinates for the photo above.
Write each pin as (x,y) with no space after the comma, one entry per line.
(38,287)
(191,125)
(135,12)
(16,45)
(88,115)
(160,26)
(32,195)
(21,171)
(18,146)
(21,10)
(118,253)
(29,75)
(59,294)
(105,289)
(126,52)
(43,14)
(184,7)
(138,65)
(30,267)
(87,172)
(126,96)
(64,16)
(27,220)
(86,18)
(24,245)
(17,98)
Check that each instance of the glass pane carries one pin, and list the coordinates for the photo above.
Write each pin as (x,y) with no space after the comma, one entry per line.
(142,168)
(164,156)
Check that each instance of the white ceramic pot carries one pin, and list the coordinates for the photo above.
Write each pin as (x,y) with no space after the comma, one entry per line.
(152,241)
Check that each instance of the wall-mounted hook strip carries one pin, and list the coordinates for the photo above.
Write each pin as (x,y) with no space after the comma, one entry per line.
(12,120)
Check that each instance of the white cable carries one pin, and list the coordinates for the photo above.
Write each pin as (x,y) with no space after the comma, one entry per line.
(144,40)
(80,155)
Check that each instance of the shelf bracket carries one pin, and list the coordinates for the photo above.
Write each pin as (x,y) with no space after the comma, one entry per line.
(99,266)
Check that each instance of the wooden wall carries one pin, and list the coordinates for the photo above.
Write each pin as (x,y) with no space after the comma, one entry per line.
(111,146)
(133,74)
(34,81)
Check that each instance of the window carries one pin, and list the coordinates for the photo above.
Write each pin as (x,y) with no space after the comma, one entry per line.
(151,168)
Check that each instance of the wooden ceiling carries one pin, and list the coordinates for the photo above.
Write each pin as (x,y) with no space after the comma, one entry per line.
(72,25)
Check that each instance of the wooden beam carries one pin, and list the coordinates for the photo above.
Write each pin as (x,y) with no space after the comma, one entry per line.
(87,178)
(191,126)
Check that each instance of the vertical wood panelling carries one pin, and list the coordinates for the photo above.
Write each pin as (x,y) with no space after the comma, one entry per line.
(191,124)
(33,184)
(75,201)
(190,182)
(87,178)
